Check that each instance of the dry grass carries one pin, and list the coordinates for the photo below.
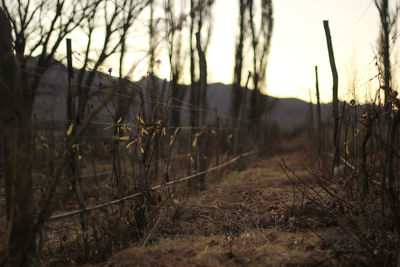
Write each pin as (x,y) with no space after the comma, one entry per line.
(246,219)
(254,248)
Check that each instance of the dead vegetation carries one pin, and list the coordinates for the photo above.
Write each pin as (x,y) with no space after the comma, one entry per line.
(298,208)
(246,218)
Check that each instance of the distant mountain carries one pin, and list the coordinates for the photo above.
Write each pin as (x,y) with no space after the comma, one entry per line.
(288,113)
(50,102)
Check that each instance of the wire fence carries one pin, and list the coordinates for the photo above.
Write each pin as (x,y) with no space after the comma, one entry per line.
(65,203)
(117,201)
(97,174)
(63,197)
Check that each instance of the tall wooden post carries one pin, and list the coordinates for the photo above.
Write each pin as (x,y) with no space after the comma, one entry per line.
(70,93)
(318,110)
(73,170)
(311,112)
(217,146)
(71,124)
(335,102)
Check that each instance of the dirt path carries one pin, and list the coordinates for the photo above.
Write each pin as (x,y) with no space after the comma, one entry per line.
(244,219)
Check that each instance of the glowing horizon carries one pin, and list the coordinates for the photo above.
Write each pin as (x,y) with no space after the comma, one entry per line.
(298,44)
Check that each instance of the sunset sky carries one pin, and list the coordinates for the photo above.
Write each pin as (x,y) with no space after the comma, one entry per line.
(298,44)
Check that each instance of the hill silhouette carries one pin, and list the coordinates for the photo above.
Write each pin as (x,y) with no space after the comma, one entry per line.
(50,102)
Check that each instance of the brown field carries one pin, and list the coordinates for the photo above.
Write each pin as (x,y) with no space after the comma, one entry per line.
(245,219)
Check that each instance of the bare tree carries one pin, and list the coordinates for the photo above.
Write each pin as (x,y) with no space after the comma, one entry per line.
(237,93)
(261,43)
(392,119)
(154,41)
(39,28)
(201,16)
(193,82)
(198,8)
(175,23)
(16,133)
(118,17)
(388,22)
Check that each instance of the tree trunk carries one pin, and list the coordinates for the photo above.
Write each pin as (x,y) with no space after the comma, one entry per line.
(15,116)
(202,118)
(239,124)
(237,79)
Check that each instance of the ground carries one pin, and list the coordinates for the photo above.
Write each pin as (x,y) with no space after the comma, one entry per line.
(245,218)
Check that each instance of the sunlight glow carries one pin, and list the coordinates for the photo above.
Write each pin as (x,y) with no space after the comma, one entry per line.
(298,44)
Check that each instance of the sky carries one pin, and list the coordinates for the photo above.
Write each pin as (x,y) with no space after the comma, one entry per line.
(298,44)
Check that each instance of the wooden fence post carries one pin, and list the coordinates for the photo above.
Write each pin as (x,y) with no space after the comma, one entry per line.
(217,140)
(71,123)
(311,112)
(73,150)
(335,102)
(318,110)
